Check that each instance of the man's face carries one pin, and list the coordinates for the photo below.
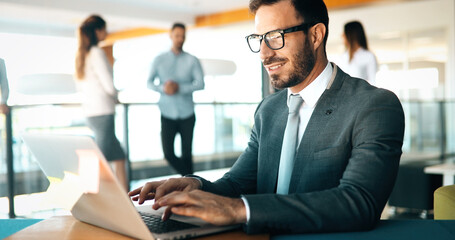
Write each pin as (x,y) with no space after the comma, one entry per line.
(291,65)
(178,38)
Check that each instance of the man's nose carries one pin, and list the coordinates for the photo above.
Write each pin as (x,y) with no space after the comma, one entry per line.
(265,51)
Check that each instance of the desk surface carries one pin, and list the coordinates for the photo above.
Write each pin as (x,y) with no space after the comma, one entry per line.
(447,170)
(66,227)
(441,168)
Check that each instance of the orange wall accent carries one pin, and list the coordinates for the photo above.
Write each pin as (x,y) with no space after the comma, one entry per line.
(228,17)
(232,16)
(243,14)
(131,33)
(348,3)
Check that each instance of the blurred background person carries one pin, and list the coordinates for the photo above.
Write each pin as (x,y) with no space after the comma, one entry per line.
(95,75)
(4,88)
(358,61)
(179,74)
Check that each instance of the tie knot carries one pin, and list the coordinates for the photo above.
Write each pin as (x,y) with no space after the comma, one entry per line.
(295,101)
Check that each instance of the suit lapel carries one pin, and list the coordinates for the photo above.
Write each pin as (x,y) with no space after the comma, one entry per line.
(274,142)
(325,110)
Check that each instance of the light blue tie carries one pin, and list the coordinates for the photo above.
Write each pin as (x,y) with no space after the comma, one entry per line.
(289,145)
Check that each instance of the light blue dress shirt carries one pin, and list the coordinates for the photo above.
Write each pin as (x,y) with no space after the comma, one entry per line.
(3,82)
(184,69)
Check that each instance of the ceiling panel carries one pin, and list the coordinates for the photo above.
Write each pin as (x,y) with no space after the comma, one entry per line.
(61,17)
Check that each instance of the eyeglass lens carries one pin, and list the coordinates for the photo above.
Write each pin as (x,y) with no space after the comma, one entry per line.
(274,40)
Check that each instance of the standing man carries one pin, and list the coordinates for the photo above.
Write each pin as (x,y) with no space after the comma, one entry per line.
(337,176)
(178,75)
(4,88)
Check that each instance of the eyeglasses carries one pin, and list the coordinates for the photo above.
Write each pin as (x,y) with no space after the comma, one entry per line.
(275,38)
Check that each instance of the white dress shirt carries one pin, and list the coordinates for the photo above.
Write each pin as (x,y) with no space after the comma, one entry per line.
(310,96)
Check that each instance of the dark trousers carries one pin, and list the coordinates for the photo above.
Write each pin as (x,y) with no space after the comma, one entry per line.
(169,129)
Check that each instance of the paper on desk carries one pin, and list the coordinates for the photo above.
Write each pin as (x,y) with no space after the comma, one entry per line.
(66,192)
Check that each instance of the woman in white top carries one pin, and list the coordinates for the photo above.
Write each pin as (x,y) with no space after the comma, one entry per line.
(94,73)
(358,61)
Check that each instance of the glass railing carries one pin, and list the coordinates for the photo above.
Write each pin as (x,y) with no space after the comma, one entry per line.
(221,133)
(429,129)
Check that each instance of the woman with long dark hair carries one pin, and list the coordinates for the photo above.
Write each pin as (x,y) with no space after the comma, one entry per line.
(358,61)
(95,76)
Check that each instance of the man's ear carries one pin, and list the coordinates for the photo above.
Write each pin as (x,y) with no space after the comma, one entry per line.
(318,33)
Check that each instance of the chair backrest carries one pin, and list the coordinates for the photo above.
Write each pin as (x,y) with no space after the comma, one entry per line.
(444,203)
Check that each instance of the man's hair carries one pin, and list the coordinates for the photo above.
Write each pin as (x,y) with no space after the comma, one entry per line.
(178,25)
(309,10)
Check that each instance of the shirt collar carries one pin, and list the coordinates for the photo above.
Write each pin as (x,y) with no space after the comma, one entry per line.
(311,93)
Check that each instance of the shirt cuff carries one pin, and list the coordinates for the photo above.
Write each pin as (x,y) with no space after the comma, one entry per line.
(247,208)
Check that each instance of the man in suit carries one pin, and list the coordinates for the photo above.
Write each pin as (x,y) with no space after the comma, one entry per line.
(350,136)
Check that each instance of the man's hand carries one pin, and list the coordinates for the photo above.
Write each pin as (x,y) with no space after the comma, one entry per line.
(170,87)
(209,207)
(156,190)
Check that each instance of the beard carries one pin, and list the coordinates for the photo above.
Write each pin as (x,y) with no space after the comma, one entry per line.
(305,61)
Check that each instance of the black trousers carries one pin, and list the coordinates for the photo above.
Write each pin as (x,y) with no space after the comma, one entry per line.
(169,129)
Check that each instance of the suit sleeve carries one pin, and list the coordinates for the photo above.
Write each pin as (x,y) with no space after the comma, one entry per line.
(356,203)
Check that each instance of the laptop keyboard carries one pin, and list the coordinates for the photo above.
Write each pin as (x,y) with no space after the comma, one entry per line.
(156,225)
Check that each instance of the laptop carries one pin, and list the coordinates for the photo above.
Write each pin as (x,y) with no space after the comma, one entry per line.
(105,203)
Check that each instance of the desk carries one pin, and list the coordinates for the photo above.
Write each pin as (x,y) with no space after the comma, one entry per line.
(66,227)
(447,170)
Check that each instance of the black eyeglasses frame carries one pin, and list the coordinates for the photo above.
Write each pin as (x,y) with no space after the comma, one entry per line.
(302,27)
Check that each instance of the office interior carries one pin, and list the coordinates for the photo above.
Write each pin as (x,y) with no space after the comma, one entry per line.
(413,40)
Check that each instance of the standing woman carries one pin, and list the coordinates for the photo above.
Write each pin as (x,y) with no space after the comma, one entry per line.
(358,61)
(94,73)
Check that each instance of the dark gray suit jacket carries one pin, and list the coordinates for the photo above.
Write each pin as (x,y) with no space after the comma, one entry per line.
(345,166)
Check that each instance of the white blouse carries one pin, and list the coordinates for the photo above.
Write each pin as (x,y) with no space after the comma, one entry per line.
(363,65)
(99,95)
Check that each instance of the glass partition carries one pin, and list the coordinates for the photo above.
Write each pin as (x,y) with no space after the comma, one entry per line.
(221,132)
(425,130)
